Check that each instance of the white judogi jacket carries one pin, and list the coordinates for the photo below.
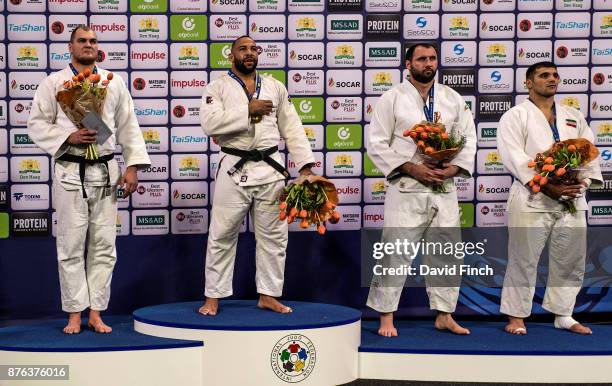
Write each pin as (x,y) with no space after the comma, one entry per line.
(49,128)
(401,108)
(523,132)
(225,115)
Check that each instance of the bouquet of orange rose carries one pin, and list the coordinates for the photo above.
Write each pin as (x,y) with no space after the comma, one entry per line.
(84,93)
(311,198)
(561,164)
(435,144)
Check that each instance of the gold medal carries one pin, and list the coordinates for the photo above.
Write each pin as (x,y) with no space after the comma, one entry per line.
(256,118)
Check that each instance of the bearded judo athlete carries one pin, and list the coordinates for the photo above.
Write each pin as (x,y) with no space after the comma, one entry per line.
(248,113)
(85,192)
(413,209)
(535,219)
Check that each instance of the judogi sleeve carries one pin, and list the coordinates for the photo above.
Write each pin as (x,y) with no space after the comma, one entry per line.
(292,131)
(591,170)
(128,132)
(511,138)
(42,128)
(218,120)
(380,137)
(465,124)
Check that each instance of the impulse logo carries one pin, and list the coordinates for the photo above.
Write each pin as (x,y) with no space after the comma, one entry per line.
(114,27)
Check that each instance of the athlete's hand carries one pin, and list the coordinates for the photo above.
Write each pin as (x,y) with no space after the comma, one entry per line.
(260,107)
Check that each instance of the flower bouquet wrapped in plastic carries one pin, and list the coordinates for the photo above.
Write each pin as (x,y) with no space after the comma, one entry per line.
(561,164)
(312,199)
(435,145)
(83,94)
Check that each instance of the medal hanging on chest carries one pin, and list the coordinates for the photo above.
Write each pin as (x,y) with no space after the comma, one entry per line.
(254,118)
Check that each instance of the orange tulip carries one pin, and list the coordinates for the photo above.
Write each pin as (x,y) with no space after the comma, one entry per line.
(560,172)
(549,160)
(531,164)
(543,181)
(535,188)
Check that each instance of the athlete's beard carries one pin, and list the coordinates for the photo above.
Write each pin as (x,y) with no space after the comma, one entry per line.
(420,77)
(244,69)
(85,61)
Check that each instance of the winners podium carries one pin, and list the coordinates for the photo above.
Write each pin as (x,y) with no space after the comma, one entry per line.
(317,344)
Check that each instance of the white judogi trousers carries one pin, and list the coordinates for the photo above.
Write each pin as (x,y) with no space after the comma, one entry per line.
(412,216)
(93,219)
(529,232)
(230,206)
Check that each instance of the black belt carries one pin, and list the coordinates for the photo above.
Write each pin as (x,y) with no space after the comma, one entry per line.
(77,159)
(255,156)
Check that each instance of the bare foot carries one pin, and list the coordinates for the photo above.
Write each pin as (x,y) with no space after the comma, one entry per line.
(445,321)
(515,326)
(210,307)
(580,329)
(96,323)
(386,325)
(74,323)
(270,303)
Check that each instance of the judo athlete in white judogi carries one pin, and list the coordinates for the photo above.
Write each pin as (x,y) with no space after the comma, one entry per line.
(86,207)
(412,208)
(535,219)
(248,113)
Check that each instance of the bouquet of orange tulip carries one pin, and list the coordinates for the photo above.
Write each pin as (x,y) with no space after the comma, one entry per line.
(312,199)
(560,165)
(435,144)
(84,93)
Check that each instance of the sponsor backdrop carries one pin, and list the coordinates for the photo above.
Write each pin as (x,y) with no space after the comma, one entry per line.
(336,58)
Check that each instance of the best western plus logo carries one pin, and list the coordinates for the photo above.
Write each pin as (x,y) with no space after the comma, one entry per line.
(383,26)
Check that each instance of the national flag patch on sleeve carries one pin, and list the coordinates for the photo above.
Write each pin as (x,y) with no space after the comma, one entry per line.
(209,100)
(571,122)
